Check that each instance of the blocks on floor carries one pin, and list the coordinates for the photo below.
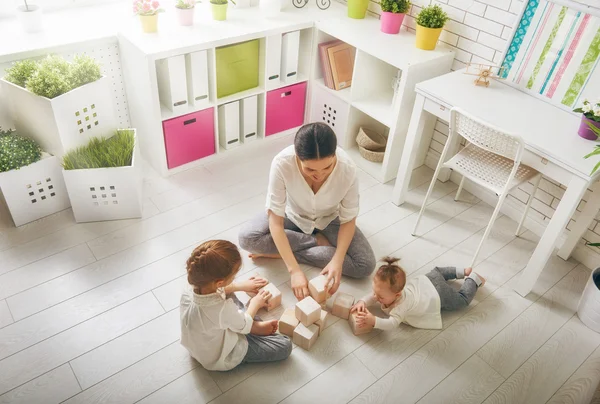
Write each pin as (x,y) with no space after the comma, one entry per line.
(356,330)
(308,311)
(305,337)
(323,321)
(318,288)
(342,304)
(275,300)
(288,322)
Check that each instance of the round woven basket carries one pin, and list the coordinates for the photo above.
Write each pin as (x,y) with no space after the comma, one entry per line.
(372,155)
(369,139)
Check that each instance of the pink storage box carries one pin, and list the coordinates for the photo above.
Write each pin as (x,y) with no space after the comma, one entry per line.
(285,108)
(189,137)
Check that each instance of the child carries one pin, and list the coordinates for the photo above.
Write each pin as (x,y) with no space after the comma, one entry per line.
(419,300)
(214,327)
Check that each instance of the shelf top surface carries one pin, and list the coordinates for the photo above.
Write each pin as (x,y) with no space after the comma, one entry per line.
(546,129)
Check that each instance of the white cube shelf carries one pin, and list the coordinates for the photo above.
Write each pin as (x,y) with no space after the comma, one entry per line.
(106,193)
(34,191)
(64,122)
(329,109)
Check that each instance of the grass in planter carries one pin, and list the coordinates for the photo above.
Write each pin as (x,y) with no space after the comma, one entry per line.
(116,151)
(17,151)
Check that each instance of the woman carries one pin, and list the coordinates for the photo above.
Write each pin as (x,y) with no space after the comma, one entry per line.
(311,210)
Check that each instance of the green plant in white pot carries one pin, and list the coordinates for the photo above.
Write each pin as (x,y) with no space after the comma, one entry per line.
(30,16)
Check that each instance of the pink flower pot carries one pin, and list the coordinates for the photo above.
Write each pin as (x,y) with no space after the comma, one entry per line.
(585,131)
(185,16)
(391,22)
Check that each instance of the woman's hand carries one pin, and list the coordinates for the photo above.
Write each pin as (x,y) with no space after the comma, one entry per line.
(299,284)
(365,319)
(360,307)
(252,285)
(333,270)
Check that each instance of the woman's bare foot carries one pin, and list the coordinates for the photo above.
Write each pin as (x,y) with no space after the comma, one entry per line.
(256,256)
(322,240)
(468,271)
(264,327)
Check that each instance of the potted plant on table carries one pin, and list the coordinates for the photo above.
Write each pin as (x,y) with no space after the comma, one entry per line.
(393,12)
(357,9)
(148,11)
(219,9)
(30,16)
(430,22)
(103,178)
(30,180)
(185,11)
(590,120)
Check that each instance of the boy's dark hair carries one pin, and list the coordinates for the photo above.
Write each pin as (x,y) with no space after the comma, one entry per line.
(392,273)
(315,141)
(212,260)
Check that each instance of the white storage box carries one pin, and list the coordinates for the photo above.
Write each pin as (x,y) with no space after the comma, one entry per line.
(589,305)
(64,122)
(273,60)
(290,49)
(329,109)
(106,193)
(249,113)
(34,191)
(172,86)
(197,78)
(229,125)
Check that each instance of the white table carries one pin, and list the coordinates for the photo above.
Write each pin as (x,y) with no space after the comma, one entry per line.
(551,147)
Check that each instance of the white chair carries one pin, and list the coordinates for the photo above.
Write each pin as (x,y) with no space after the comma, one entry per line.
(491,158)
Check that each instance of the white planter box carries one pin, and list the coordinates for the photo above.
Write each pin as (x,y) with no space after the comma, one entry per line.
(67,121)
(589,305)
(34,191)
(106,193)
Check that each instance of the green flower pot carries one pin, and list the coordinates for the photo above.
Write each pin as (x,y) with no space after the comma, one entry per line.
(219,11)
(357,8)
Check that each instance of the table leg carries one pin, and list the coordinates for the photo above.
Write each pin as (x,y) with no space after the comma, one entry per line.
(575,190)
(420,127)
(584,219)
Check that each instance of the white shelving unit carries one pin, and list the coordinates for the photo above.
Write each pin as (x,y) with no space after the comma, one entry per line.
(368,102)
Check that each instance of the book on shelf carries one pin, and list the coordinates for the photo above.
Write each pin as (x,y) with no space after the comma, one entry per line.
(325,65)
(341,58)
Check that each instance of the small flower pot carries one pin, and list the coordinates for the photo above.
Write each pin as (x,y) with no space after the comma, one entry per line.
(357,9)
(585,131)
(185,16)
(391,22)
(427,37)
(149,23)
(30,18)
(219,11)
(589,304)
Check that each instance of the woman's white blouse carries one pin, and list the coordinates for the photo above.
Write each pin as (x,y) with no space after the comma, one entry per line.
(289,193)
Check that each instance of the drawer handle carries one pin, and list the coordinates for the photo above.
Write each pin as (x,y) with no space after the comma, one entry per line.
(178,103)
(291,74)
(232,141)
(443,108)
(544,161)
(189,121)
(286,94)
(275,76)
(250,135)
(201,97)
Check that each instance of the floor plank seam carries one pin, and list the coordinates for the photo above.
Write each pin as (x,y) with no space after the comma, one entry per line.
(74,374)
(158,300)
(28,381)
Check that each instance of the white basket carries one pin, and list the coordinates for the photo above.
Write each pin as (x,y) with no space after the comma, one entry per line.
(34,191)
(67,121)
(106,193)
(589,305)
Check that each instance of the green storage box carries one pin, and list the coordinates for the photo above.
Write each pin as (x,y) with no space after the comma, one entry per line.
(237,68)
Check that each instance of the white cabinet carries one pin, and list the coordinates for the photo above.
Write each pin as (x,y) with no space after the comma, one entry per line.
(290,49)
(229,125)
(197,78)
(172,87)
(249,120)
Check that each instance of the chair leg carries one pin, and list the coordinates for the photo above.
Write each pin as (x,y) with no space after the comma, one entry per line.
(460,187)
(427,195)
(536,184)
(489,226)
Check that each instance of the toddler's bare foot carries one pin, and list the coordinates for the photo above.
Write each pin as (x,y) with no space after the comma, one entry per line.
(264,327)
(482,280)
(256,256)
(468,271)
(322,240)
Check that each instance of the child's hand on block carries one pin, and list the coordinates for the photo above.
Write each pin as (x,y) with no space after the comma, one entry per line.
(253,284)
(358,307)
(365,319)
(260,300)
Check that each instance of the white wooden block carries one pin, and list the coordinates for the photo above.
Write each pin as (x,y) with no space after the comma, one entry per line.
(275,300)
(308,311)
(305,337)
(323,321)
(229,125)
(342,304)
(172,85)
(288,322)
(249,113)
(355,328)
(196,64)
(318,288)
(290,49)
(273,60)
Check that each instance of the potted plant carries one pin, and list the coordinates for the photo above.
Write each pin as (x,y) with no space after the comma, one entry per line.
(430,22)
(357,9)
(103,178)
(57,103)
(219,9)
(148,11)
(590,119)
(30,17)
(185,11)
(30,180)
(393,12)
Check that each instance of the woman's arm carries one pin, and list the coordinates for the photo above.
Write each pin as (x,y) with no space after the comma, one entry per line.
(334,268)
(298,279)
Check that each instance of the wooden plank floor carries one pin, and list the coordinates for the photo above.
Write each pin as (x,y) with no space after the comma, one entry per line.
(89,312)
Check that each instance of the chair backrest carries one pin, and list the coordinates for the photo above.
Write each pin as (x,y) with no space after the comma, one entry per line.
(485,136)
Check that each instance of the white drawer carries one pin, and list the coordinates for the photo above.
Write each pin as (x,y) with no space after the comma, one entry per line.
(437,109)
